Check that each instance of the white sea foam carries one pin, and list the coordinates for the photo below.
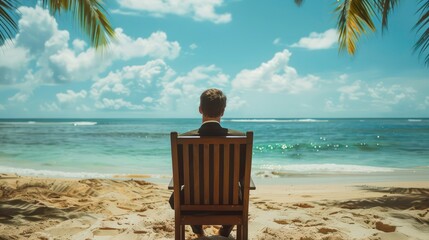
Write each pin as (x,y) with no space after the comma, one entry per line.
(51,173)
(414,120)
(84,123)
(275,120)
(326,168)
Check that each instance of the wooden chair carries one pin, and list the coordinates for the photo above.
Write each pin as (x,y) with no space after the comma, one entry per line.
(214,181)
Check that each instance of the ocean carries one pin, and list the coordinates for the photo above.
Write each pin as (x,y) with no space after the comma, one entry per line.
(289,150)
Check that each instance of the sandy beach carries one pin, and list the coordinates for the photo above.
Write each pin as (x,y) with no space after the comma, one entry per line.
(52,208)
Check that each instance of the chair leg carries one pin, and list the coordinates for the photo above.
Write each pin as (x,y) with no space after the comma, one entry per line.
(239,232)
(177,231)
(245,231)
(182,230)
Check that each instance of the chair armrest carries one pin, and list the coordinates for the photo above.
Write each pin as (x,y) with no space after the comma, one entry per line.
(252,184)
(171,184)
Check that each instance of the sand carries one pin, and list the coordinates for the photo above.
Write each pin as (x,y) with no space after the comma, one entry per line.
(52,208)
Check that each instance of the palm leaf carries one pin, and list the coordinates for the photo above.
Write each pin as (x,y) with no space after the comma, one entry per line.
(422,25)
(386,7)
(355,17)
(90,15)
(8,24)
(298,2)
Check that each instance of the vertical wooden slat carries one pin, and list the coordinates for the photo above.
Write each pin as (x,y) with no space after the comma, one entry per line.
(196,151)
(186,173)
(236,173)
(226,175)
(247,170)
(216,175)
(206,174)
(175,163)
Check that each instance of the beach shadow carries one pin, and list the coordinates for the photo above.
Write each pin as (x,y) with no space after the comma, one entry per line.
(396,190)
(403,198)
(214,238)
(16,211)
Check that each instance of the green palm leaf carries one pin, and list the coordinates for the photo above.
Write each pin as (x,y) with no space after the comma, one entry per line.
(355,17)
(90,15)
(298,2)
(386,7)
(422,25)
(8,24)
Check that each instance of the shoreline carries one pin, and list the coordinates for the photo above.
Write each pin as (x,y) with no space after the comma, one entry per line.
(266,177)
(61,208)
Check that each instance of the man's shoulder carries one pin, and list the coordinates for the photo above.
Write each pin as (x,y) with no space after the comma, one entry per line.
(190,133)
(233,132)
(229,132)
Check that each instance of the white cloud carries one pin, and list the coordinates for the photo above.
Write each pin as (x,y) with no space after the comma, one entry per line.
(136,87)
(49,107)
(235,102)
(199,10)
(117,104)
(351,92)
(124,12)
(2,107)
(330,106)
(83,108)
(363,96)
(274,76)
(317,41)
(36,28)
(344,77)
(70,96)
(42,52)
(141,78)
(155,46)
(193,46)
(390,95)
(13,57)
(424,104)
(148,100)
(88,64)
(276,41)
(191,85)
(78,45)
(20,97)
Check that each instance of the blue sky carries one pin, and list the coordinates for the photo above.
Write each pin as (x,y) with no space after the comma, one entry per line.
(271,58)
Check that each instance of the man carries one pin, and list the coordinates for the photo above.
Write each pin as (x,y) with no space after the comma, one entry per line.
(212,107)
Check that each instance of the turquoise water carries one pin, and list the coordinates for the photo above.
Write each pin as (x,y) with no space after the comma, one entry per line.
(282,147)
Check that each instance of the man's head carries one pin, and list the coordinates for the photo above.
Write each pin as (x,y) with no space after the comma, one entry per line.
(212,103)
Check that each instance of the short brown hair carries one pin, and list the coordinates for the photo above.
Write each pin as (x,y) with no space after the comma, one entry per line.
(212,102)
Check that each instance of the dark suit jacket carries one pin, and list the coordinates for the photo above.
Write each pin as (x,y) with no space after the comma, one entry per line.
(213,129)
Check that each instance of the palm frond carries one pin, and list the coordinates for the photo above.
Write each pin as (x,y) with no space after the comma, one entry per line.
(90,15)
(55,6)
(386,7)
(298,2)
(422,25)
(8,23)
(355,17)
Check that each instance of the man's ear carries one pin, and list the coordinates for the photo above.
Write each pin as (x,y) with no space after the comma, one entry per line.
(200,109)
(222,113)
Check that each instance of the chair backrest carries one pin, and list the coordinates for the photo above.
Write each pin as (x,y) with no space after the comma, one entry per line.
(213,173)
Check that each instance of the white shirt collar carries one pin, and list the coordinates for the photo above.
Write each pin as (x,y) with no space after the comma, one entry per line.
(210,121)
